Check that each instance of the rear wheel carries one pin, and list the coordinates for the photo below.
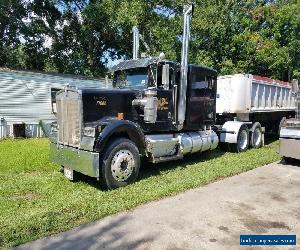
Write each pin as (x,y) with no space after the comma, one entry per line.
(256,136)
(120,164)
(242,140)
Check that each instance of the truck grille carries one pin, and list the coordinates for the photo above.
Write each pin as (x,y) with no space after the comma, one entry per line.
(69,117)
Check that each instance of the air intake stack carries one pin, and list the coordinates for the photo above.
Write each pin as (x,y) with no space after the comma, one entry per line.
(188,11)
(136,43)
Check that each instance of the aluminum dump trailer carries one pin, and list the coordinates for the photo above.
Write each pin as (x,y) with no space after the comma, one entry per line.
(251,98)
(245,94)
(289,142)
(248,105)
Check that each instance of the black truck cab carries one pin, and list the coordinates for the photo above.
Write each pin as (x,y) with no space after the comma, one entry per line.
(151,74)
(157,109)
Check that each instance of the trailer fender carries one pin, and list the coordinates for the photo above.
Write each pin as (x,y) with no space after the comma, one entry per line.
(230,130)
(119,128)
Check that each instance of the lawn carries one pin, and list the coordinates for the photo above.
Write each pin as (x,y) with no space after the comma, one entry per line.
(36,200)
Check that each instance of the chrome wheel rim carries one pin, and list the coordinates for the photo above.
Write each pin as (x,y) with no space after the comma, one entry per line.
(256,137)
(243,140)
(122,165)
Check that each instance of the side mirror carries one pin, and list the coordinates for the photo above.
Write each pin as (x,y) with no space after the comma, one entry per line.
(166,76)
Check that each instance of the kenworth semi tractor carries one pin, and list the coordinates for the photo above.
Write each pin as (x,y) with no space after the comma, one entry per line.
(157,110)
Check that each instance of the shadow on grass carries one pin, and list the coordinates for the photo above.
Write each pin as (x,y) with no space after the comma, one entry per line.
(148,169)
(270,138)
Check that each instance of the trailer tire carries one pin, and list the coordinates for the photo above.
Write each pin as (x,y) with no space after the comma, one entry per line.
(242,141)
(256,136)
(120,164)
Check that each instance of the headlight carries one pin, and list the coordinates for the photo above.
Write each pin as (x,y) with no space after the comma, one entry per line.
(89,131)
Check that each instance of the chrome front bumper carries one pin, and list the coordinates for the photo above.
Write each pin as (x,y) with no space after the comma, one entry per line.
(289,142)
(81,161)
(289,148)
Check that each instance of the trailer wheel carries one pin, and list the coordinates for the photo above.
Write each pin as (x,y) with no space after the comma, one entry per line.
(242,140)
(120,164)
(256,136)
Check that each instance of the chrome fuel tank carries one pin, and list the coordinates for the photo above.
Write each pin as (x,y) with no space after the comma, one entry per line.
(167,145)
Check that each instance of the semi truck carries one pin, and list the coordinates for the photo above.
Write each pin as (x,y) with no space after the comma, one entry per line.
(158,110)
(289,141)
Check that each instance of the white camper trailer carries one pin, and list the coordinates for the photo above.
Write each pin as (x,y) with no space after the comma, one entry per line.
(25,100)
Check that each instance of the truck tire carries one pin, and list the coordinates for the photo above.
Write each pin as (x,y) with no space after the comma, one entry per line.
(242,140)
(120,164)
(256,140)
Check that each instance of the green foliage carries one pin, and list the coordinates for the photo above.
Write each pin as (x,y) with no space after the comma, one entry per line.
(36,200)
(80,36)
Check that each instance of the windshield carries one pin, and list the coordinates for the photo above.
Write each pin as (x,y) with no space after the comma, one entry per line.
(137,77)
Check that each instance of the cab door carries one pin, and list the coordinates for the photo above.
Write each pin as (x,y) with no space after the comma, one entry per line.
(165,110)
(164,93)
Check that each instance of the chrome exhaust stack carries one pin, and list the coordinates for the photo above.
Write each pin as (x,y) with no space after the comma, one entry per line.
(188,11)
(136,43)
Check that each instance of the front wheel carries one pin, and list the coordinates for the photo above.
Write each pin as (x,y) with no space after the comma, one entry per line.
(120,164)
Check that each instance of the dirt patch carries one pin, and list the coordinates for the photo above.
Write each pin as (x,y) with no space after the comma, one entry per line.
(246,207)
(26,196)
(212,240)
(277,197)
(262,226)
(297,215)
(198,232)
(222,228)
(255,224)
(177,226)
(32,174)
(173,246)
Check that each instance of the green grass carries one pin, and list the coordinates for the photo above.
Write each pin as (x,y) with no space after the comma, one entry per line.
(36,200)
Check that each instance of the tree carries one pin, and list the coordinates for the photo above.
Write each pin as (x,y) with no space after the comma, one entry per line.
(81,36)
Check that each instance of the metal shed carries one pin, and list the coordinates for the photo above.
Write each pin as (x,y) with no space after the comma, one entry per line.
(25,100)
